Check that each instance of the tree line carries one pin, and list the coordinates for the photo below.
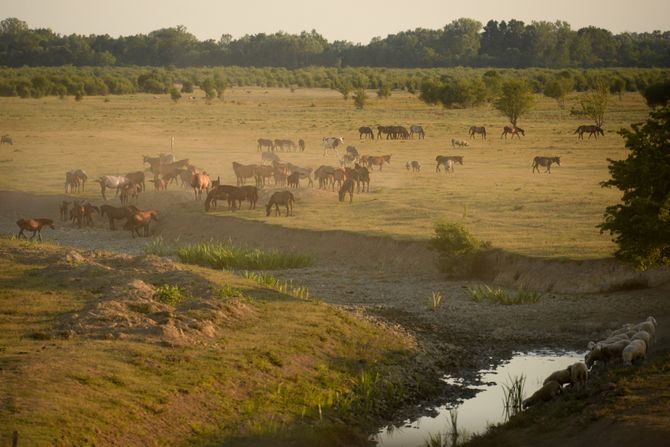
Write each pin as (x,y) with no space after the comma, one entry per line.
(463,42)
(452,87)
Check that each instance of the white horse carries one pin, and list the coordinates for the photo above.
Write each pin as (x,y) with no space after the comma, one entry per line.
(331,143)
(111,181)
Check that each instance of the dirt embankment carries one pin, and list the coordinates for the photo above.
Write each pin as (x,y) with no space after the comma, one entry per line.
(396,279)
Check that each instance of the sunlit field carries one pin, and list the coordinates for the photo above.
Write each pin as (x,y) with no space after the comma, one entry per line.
(494,194)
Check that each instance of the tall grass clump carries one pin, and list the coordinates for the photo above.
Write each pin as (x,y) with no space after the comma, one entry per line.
(222,256)
(435,300)
(513,392)
(499,296)
(157,246)
(287,288)
(169,294)
(457,249)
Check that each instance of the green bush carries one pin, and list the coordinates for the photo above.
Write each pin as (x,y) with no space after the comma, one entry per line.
(169,294)
(457,249)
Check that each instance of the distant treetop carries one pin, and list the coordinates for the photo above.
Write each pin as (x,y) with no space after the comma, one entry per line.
(463,42)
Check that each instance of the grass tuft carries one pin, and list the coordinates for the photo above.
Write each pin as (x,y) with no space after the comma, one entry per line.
(499,296)
(436,300)
(513,392)
(169,294)
(287,288)
(222,256)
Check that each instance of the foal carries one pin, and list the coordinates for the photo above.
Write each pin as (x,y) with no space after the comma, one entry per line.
(34,225)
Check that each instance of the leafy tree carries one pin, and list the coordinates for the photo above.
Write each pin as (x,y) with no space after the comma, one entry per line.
(360,98)
(515,100)
(175,94)
(187,86)
(594,104)
(657,94)
(618,86)
(209,87)
(641,224)
(384,91)
(558,89)
(344,88)
(457,249)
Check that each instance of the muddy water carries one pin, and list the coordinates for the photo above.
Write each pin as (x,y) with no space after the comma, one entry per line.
(486,408)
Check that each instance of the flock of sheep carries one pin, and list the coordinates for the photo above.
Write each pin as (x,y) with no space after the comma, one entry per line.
(629,343)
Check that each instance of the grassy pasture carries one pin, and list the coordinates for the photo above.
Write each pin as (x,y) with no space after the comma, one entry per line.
(494,194)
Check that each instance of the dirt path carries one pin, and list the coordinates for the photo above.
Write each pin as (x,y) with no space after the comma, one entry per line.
(379,276)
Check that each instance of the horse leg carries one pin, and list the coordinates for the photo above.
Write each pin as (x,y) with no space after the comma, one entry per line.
(39,234)
(18,236)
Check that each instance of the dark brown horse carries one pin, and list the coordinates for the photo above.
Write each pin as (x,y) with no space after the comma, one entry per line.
(114,213)
(284,198)
(476,130)
(34,225)
(347,187)
(513,131)
(140,219)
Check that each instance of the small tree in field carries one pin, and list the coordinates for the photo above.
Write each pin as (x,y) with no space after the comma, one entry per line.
(209,87)
(175,94)
(384,91)
(558,89)
(515,100)
(360,98)
(641,223)
(594,104)
(657,94)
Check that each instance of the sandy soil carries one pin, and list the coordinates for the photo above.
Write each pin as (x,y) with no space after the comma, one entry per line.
(378,277)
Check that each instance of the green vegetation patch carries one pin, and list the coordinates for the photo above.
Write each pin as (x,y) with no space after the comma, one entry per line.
(222,256)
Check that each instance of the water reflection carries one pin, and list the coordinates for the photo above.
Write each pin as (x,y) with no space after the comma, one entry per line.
(486,408)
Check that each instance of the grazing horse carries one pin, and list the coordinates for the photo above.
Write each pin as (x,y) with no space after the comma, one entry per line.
(460,143)
(513,131)
(474,130)
(128,191)
(265,143)
(262,173)
(293,180)
(140,219)
(74,179)
(88,213)
(359,174)
(443,160)
(138,178)
(34,225)
(592,130)
(367,132)
(379,161)
(201,182)
(414,165)
(6,139)
(331,143)
(77,213)
(545,162)
(347,187)
(64,210)
(351,150)
(416,129)
(324,175)
(270,157)
(301,145)
(284,198)
(114,213)
(155,162)
(302,172)
(243,172)
(111,181)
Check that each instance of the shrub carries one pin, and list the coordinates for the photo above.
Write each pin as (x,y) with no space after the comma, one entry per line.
(187,87)
(169,294)
(175,94)
(230,257)
(360,98)
(457,249)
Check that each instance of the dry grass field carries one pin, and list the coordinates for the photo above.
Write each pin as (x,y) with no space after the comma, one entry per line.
(494,194)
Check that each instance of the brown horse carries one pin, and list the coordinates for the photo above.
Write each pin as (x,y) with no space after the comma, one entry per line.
(284,198)
(200,183)
(34,225)
(140,219)
(476,130)
(128,191)
(347,187)
(137,178)
(243,172)
(114,213)
(64,210)
(77,213)
(513,131)
(293,180)
(88,213)
(379,161)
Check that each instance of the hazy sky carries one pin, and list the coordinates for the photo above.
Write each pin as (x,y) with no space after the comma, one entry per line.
(352,20)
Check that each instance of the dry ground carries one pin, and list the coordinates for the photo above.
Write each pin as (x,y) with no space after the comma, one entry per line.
(494,194)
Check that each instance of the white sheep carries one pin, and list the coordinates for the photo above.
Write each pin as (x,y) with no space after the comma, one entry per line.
(579,374)
(636,349)
(648,325)
(642,335)
(563,376)
(611,339)
(605,352)
(625,328)
(544,394)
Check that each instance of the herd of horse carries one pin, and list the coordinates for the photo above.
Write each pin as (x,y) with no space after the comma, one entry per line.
(353,175)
